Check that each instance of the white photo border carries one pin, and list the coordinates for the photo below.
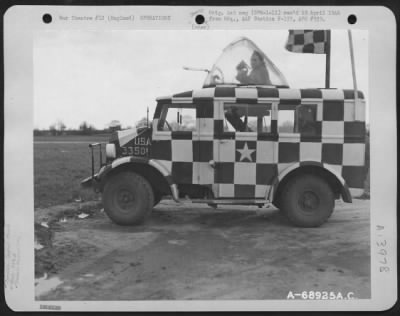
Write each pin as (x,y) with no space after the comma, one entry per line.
(20,25)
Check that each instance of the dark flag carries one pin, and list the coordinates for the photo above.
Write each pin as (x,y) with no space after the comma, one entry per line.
(308,41)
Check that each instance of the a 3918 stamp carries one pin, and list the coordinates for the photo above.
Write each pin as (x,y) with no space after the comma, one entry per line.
(382,253)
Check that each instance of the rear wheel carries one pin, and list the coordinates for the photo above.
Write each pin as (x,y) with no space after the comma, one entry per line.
(128,198)
(307,201)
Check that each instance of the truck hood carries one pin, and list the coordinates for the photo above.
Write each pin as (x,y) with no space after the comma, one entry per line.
(132,142)
(123,137)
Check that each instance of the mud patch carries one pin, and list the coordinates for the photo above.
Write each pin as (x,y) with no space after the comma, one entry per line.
(194,252)
(61,254)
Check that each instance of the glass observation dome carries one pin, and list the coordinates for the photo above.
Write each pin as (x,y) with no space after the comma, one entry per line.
(243,63)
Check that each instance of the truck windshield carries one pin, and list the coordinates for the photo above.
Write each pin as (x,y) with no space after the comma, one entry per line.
(243,63)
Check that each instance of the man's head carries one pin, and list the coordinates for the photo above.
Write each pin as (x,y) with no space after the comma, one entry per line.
(256,60)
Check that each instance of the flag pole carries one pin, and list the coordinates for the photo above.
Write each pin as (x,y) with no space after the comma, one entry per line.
(353,69)
(328,59)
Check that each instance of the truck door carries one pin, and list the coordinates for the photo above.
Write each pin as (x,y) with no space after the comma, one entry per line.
(203,144)
(175,142)
(245,157)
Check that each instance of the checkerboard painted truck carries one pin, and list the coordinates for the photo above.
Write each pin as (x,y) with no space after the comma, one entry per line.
(245,144)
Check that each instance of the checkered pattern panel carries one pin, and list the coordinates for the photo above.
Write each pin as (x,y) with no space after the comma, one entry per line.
(307,41)
(245,168)
(247,163)
(255,94)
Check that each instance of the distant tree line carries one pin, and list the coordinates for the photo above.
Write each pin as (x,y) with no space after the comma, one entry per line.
(85,128)
(59,128)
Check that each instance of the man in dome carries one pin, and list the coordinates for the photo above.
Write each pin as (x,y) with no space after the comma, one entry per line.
(258,75)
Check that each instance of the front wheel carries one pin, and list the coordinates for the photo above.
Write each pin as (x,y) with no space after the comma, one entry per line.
(307,201)
(128,198)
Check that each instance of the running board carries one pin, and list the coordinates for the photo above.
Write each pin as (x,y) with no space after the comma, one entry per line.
(232,201)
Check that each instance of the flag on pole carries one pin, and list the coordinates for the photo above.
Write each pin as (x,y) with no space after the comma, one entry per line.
(312,42)
(308,41)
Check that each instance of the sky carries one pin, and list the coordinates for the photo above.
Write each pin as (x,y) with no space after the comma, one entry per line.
(100,76)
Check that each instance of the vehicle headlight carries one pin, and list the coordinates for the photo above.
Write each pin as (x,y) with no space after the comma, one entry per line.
(111,152)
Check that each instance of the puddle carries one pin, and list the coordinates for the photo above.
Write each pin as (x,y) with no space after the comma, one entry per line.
(177,242)
(88,275)
(38,246)
(44,285)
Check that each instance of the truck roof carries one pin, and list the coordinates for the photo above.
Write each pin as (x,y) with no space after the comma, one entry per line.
(257,94)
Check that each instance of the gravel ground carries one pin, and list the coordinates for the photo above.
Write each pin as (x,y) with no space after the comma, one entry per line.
(193,252)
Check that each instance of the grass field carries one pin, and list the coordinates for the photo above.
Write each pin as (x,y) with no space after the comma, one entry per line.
(60,163)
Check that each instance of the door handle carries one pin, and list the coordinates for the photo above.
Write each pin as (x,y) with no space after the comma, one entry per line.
(212,163)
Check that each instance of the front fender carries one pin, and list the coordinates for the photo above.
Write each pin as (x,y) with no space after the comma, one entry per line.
(125,161)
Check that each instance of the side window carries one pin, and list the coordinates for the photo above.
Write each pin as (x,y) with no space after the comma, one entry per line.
(307,119)
(247,118)
(301,119)
(176,118)
(286,121)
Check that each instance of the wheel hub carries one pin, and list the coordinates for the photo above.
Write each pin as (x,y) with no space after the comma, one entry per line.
(125,199)
(309,201)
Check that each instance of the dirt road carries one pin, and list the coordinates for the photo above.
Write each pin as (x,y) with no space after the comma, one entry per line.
(196,252)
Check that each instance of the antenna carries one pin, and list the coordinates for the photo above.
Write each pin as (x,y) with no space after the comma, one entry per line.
(147,117)
(196,69)
(357,115)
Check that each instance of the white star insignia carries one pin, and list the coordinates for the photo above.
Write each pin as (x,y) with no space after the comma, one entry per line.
(245,152)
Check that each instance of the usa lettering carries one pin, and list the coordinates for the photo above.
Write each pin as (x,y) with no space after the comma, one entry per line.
(142,141)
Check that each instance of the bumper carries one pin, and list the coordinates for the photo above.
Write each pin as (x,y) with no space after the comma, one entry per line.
(87,182)
(94,180)
(91,182)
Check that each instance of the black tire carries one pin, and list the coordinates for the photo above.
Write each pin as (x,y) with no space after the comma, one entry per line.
(307,201)
(128,198)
